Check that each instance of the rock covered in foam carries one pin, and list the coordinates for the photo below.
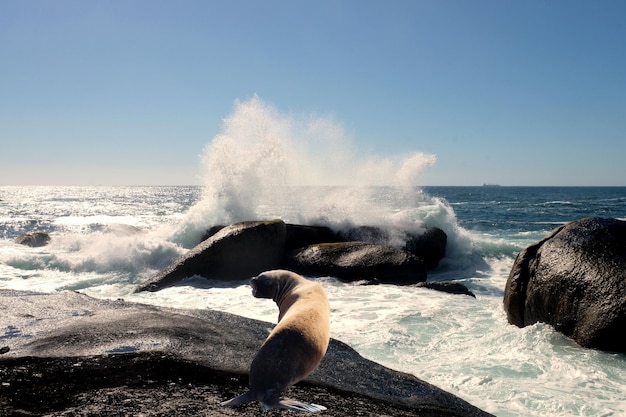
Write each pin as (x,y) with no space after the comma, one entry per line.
(428,243)
(33,239)
(575,280)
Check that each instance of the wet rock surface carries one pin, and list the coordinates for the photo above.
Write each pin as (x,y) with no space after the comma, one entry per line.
(33,239)
(575,280)
(245,249)
(234,252)
(353,261)
(449,287)
(72,355)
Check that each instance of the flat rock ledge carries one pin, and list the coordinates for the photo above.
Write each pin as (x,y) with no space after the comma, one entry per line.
(66,354)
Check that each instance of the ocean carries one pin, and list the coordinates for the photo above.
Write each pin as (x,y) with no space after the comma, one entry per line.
(107,240)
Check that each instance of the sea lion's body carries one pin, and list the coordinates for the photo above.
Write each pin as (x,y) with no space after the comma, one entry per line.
(297,344)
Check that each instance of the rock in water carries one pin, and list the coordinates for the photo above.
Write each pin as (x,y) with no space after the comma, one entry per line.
(448,287)
(33,239)
(353,261)
(429,246)
(299,236)
(237,251)
(575,280)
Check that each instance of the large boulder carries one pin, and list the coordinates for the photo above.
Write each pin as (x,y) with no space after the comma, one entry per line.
(575,280)
(368,234)
(428,244)
(244,249)
(238,251)
(69,354)
(33,239)
(354,261)
(299,236)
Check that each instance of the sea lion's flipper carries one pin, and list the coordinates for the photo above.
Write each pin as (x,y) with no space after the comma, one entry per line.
(246,397)
(288,404)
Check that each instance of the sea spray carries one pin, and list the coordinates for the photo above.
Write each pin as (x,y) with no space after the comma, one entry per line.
(304,169)
(461,344)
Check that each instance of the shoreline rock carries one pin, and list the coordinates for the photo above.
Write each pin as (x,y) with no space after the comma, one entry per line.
(74,355)
(234,252)
(575,280)
(245,249)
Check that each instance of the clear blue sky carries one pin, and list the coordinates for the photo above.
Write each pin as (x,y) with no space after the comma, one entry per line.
(130,92)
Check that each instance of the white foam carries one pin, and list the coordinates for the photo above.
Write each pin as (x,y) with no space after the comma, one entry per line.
(261,155)
(461,344)
(259,167)
(97,220)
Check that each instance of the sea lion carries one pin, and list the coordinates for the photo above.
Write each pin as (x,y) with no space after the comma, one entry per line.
(295,346)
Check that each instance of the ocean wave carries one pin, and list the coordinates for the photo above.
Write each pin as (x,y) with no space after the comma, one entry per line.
(101,253)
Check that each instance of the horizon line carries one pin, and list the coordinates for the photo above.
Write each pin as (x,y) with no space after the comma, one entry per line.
(308,185)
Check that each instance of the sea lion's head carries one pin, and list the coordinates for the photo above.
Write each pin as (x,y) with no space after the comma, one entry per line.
(273,284)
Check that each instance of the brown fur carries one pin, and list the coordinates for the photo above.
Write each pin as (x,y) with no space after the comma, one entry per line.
(297,344)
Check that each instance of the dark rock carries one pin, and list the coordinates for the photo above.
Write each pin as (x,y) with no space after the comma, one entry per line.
(75,355)
(520,275)
(212,230)
(237,251)
(449,287)
(33,239)
(575,280)
(299,236)
(367,234)
(242,250)
(354,261)
(429,246)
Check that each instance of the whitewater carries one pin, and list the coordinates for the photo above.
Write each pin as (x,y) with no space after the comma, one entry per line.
(302,169)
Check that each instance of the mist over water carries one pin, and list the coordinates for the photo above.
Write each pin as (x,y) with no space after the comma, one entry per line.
(262,163)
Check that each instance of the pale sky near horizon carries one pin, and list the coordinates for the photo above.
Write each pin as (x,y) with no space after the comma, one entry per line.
(130,92)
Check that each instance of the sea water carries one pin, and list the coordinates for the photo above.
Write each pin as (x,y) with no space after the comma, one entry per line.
(107,240)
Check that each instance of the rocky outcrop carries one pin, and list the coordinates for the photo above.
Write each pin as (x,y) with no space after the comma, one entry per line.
(69,354)
(243,250)
(235,252)
(575,280)
(299,236)
(448,287)
(354,261)
(429,244)
(33,239)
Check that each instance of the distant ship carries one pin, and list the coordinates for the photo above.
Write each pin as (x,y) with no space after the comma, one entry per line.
(491,185)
